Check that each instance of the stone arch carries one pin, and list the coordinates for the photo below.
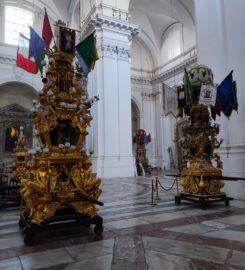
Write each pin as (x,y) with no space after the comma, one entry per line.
(135,116)
(17,92)
(142,49)
(13,116)
(34,83)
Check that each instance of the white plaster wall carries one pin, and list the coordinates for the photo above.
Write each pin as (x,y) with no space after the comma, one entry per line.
(167,138)
(85,8)
(141,60)
(75,18)
(9,72)
(115,3)
(176,40)
(169,124)
(140,18)
(157,142)
(112,131)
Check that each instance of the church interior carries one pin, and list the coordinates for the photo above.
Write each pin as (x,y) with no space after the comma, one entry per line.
(122,138)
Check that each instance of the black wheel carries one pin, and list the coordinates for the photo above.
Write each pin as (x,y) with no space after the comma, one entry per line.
(28,237)
(204,205)
(98,229)
(21,224)
(227,202)
(177,200)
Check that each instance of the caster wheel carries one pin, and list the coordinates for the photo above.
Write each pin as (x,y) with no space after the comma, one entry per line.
(21,224)
(204,206)
(28,237)
(177,200)
(98,229)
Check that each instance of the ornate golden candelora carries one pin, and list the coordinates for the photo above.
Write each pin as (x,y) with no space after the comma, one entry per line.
(199,176)
(59,175)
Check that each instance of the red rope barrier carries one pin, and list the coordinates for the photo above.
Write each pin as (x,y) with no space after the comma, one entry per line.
(166,189)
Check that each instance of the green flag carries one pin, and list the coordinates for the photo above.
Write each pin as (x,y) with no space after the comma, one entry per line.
(188,90)
(39,60)
(87,51)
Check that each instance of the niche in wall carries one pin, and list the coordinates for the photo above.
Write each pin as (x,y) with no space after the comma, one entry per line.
(135,117)
(15,104)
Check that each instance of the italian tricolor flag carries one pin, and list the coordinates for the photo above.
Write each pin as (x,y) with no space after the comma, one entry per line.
(23,60)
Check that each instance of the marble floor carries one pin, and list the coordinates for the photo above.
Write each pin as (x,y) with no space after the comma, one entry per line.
(137,235)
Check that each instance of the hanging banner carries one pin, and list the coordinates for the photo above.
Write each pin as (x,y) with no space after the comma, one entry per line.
(67,40)
(208,95)
(170,101)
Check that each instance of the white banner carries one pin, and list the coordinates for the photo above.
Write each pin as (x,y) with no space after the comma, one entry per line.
(170,100)
(208,95)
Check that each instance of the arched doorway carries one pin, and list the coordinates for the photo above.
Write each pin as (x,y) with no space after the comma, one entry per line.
(15,111)
(135,117)
(17,93)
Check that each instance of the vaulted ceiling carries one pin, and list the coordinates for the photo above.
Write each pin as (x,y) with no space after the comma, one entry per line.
(155,17)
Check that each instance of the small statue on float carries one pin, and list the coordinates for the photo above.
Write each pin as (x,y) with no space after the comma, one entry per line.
(141,139)
(21,164)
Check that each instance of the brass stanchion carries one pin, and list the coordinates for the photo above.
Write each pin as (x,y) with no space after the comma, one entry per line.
(177,185)
(152,192)
(177,197)
(157,180)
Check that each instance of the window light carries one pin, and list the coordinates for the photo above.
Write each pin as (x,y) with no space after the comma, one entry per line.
(17,20)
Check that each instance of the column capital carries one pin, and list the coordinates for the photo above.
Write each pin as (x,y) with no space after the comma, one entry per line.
(112,50)
(104,22)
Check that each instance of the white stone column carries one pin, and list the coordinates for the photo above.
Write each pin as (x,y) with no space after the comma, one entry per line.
(220,45)
(111,126)
(158,129)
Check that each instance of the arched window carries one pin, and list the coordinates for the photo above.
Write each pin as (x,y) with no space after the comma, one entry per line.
(172,45)
(17,20)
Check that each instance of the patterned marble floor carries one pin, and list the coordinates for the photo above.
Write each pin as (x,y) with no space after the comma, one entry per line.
(136,235)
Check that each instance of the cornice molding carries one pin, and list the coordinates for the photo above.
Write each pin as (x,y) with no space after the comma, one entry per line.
(7,59)
(140,80)
(174,71)
(165,75)
(159,76)
(109,50)
(231,149)
(150,96)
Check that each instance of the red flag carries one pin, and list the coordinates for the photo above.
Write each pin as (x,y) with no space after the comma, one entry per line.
(47,33)
(215,110)
(23,60)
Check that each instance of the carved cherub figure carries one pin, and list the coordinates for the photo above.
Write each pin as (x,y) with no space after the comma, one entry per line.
(49,83)
(46,111)
(84,113)
(30,190)
(76,82)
